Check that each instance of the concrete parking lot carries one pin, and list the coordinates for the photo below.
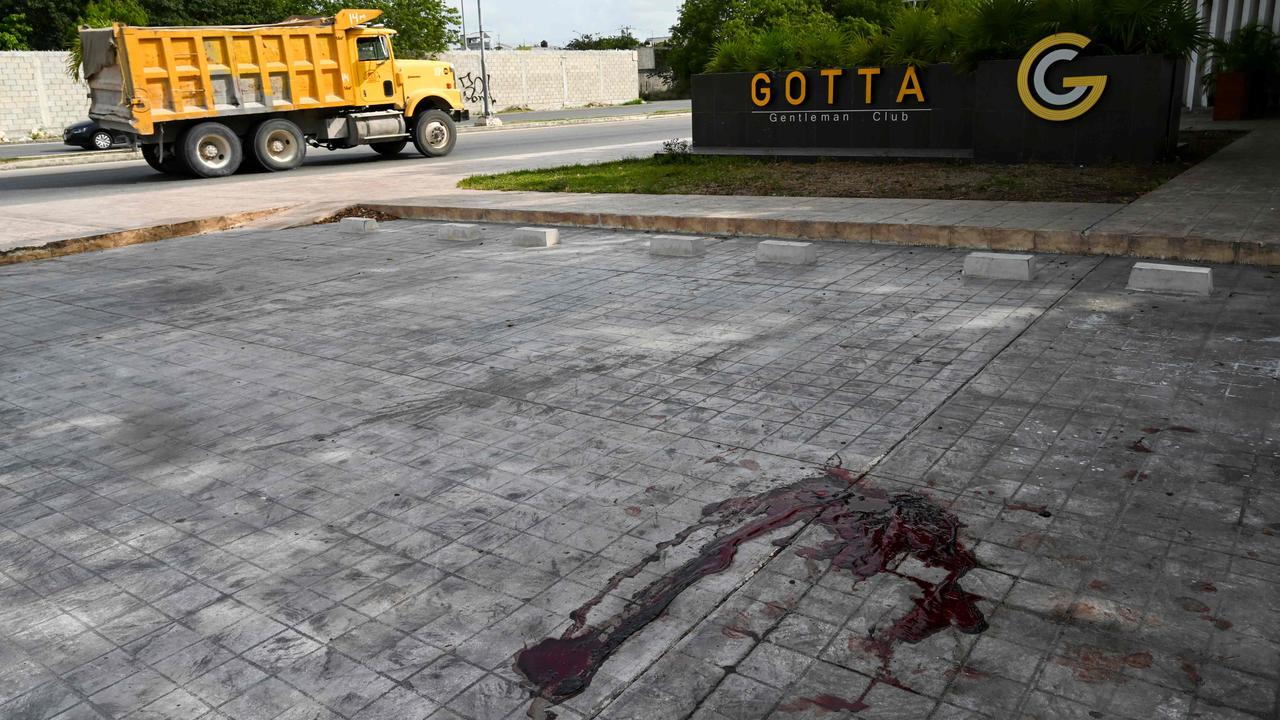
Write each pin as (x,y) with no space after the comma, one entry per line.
(302,474)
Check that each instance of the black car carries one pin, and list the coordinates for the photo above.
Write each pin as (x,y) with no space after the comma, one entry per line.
(92,136)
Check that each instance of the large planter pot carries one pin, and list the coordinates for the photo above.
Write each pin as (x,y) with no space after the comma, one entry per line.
(1231,96)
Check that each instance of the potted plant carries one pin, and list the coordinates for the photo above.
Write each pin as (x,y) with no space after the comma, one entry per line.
(1243,70)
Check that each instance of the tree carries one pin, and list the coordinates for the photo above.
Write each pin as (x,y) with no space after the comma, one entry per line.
(693,37)
(14,32)
(50,22)
(102,13)
(624,40)
(704,23)
(423,27)
(97,14)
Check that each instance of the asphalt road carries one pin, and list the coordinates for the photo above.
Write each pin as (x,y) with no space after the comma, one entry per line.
(43,205)
(59,148)
(490,150)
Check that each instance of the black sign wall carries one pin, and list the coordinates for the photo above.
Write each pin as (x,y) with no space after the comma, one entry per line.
(1084,110)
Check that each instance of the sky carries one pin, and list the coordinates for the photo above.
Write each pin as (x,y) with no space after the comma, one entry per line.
(515,22)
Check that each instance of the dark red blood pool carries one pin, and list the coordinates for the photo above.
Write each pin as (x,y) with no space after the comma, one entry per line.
(871,532)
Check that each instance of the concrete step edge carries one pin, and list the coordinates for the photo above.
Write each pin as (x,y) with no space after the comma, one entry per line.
(1068,242)
(79,158)
(135,236)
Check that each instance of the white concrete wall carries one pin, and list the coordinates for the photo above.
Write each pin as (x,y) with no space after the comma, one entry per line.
(547,80)
(37,94)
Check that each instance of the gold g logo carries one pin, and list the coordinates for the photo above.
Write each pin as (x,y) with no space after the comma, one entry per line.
(1082,91)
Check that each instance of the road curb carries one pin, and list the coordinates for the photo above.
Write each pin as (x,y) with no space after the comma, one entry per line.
(1068,242)
(84,158)
(135,236)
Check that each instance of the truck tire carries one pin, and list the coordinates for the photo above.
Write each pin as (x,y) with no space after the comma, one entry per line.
(390,148)
(210,150)
(434,133)
(168,163)
(151,153)
(278,145)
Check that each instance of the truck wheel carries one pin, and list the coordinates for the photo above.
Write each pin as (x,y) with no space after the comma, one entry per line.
(168,163)
(210,149)
(434,133)
(278,145)
(390,148)
(151,153)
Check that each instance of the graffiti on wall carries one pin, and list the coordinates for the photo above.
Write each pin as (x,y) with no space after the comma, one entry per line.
(473,87)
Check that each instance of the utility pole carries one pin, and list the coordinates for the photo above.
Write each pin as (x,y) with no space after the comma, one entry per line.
(462,8)
(487,118)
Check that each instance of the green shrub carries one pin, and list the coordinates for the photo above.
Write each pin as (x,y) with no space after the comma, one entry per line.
(962,31)
(823,46)
(913,39)
(1254,49)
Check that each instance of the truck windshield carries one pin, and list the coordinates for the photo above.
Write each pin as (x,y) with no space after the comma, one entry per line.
(372,49)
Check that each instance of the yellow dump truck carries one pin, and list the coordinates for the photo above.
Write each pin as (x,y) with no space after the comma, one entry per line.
(207,100)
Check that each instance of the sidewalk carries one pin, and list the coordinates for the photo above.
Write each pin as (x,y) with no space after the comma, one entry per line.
(1226,210)
(1234,196)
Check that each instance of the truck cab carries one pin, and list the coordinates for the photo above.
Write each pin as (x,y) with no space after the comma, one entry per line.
(381,78)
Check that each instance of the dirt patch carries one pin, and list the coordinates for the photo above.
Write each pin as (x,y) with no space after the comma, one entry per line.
(359,211)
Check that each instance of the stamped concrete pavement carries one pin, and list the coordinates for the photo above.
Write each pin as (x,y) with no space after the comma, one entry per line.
(302,474)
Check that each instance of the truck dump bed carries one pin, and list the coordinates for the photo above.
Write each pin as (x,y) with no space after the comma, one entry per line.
(140,76)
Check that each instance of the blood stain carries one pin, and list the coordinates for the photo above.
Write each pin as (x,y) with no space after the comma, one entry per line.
(871,530)
(1098,585)
(966,671)
(1193,605)
(1027,542)
(1096,665)
(736,632)
(1204,586)
(1041,510)
(1220,623)
(1181,429)
(1190,670)
(826,703)
(1151,430)
(776,609)
(634,511)
(1139,446)
(749,464)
